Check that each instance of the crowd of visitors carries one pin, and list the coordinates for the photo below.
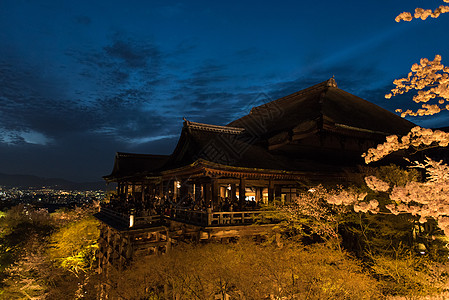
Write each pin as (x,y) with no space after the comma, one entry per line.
(154,205)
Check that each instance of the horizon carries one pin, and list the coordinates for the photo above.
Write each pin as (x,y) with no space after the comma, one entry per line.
(78,85)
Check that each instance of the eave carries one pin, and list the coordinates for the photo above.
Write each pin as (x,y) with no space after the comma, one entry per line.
(201,168)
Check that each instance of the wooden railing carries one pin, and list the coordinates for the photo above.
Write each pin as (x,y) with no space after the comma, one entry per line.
(130,218)
(118,216)
(202,218)
(242,217)
(215,218)
(147,220)
(190,216)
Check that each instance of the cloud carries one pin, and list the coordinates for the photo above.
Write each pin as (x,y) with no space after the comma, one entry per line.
(128,74)
(137,97)
(186,46)
(26,97)
(208,74)
(148,139)
(122,64)
(132,54)
(13,137)
(37,110)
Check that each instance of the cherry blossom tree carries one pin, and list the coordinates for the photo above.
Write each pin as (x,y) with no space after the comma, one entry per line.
(430,79)
(421,13)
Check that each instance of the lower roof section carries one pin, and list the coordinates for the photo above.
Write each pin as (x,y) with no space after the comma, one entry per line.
(133,164)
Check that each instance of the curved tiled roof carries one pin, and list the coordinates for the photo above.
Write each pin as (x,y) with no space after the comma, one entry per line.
(131,164)
(324,103)
(297,121)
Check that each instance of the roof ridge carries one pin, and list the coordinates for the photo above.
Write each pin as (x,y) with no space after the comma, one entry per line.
(214,128)
(328,83)
(140,155)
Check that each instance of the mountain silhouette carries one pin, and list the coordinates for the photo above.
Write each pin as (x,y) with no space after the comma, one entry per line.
(30,181)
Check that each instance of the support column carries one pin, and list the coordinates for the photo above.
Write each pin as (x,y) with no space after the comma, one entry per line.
(142,189)
(207,194)
(133,193)
(184,190)
(161,189)
(233,193)
(175,189)
(258,194)
(201,196)
(242,192)
(270,192)
(277,192)
(215,193)
(126,191)
(153,189)
(167,191)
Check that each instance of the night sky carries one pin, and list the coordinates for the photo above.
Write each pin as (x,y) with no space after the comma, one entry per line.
(81,80)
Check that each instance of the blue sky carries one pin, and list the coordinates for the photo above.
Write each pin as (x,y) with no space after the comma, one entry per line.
(80,80)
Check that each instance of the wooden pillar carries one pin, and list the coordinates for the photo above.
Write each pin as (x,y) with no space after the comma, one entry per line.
(258,194)
(161,189)
(133,192)
(126,191)
(142,189)
(242,193)
(183,190)
(207,194)
(175,189)
(233,192)
(270,192)
(168,190)
(221,191)
(153,189)
(201,193)
(277,192)
(215,192)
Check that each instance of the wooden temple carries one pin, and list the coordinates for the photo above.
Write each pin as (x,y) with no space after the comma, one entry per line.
(218,178)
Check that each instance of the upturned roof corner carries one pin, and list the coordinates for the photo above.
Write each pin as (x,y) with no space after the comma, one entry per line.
(331,82)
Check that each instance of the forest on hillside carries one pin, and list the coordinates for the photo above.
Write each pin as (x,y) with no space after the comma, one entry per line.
(340,243)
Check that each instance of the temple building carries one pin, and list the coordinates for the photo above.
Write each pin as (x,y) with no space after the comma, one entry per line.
(218,178)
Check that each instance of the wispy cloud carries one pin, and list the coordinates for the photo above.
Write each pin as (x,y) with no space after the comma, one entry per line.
(15,137)
(148,139)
